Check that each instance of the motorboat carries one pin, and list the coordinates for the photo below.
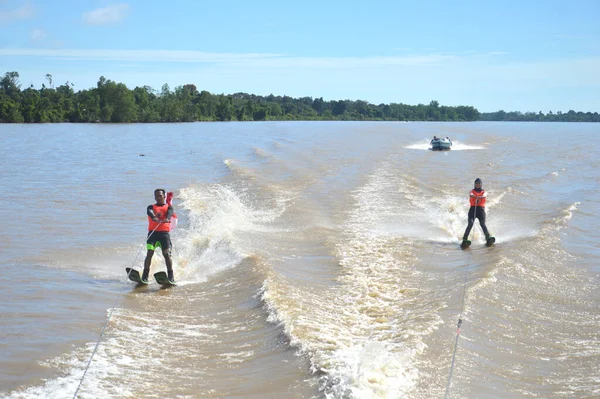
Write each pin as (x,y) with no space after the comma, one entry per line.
(440,144)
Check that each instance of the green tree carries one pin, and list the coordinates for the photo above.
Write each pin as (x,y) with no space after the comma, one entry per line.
(261,114)
(9,84)
(9,110)
(29,105)
(224,110)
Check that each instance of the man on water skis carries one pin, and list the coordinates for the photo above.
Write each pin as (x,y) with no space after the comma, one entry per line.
(159,226)
(477,198)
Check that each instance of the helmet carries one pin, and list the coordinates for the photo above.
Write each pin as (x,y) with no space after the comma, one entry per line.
(478,180)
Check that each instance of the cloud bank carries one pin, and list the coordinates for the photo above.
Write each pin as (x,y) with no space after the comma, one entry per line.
(111,14)
(24,12)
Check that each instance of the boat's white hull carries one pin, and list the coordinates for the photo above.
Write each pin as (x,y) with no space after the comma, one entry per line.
(440,145)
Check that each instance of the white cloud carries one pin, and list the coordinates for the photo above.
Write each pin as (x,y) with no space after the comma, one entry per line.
(23,12)
(257,60)
(573,37)
(107,15)
(478,70)
(138,55)
(37,35)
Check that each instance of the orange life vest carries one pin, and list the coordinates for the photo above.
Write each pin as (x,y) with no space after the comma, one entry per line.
(477,198)
(161,213)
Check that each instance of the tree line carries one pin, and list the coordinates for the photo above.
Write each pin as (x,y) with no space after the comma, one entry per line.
(112,102)
(570,116)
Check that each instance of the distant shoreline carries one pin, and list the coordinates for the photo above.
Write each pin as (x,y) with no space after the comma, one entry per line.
(273,120)
(112,102)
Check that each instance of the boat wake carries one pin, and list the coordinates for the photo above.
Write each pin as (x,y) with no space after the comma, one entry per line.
(456,146)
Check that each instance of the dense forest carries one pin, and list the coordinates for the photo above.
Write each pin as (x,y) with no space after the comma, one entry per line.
(113,102)
(570,116)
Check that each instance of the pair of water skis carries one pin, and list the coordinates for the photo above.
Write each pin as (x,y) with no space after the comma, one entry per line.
(160,277)
(488,243)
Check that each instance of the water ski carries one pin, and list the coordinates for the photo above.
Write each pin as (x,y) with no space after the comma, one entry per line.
(162,279)
(490,241)
(134,275)
(465,244)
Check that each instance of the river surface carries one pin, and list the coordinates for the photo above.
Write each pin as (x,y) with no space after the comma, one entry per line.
(314,260)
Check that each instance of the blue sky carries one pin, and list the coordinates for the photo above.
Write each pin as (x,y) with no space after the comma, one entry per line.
(510,55)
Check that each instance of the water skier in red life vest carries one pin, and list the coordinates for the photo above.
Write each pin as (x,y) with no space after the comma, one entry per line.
(477,198)
(159,226)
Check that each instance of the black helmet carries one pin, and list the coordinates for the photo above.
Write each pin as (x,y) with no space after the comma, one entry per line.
(478,180)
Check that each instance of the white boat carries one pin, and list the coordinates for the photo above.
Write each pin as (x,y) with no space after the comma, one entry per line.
(440,144)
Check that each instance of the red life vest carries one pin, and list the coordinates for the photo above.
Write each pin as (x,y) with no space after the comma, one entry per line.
(161,214)
(477,198)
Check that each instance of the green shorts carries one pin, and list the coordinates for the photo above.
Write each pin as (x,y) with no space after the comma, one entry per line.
(159,239)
